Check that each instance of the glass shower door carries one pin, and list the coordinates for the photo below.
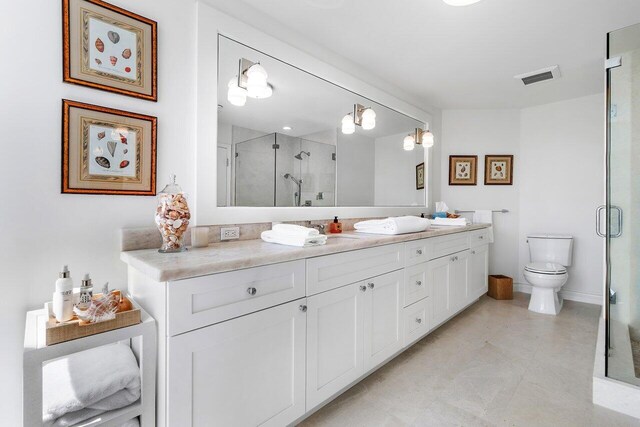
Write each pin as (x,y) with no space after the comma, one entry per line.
(623,205)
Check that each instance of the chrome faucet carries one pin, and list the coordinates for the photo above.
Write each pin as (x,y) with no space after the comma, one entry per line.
(320,227)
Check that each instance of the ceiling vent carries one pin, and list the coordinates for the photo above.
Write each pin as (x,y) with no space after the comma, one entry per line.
(537,76)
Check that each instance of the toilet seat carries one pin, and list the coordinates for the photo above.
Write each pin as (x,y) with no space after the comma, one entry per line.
(549,268)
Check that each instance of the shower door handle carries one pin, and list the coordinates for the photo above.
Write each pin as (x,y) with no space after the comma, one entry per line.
(599,220)
(617,230)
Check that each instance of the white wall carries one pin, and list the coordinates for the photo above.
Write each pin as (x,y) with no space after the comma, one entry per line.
(355,170)
(562,175)
(43,228)
(480,132)
(558,182)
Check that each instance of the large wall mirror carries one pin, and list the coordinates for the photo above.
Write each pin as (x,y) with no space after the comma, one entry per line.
(284,144)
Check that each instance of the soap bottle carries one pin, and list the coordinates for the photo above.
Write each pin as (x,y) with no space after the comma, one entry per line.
(86,293)
(63,296)
(335,226)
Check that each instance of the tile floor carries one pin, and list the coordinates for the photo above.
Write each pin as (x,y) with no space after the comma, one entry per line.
(495,364)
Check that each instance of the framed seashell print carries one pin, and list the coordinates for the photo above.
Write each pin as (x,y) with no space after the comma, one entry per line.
(107,151)
(463,170)
(109,48)
(498,169)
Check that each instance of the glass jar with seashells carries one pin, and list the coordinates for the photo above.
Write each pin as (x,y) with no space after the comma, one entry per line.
(172,217)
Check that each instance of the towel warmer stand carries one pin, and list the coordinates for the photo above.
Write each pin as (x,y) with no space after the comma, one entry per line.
(142,338)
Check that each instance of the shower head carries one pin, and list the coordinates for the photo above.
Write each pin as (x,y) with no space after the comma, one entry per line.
(299,155)
(289,176)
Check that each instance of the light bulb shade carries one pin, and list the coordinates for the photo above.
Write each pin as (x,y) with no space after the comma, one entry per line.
(427,139)
(348,126)
(235,94)
(368,119)
(460,2)
(257,86)
(409,143)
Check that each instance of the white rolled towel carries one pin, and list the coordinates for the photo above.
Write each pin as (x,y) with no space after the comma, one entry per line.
(393,225)
(448,222)
(85,384)
(295,230)
(272,236)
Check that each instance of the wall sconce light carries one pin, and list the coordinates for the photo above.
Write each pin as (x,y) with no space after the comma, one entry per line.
(348,126)
(251,81)
(420,137)
(361,116)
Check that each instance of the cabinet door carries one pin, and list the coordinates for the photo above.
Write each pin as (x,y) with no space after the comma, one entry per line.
(439,283)
(247,371)
(334,341)
(478,271)
(383,322)
(459,277)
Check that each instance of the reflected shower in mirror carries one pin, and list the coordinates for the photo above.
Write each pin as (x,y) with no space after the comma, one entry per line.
(289,138)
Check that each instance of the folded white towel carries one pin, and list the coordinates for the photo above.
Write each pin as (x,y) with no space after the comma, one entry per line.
(449,222)
(272,236)
(392,225)
(295,230)
(82,385)
(484,217)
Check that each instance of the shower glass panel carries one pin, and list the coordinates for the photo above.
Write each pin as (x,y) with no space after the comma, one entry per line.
(254,171)
(623,205)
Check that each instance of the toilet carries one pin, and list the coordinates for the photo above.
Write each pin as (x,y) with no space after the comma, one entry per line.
(547,273)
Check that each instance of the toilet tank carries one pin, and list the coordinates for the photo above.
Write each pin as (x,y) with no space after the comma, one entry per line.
(550,248)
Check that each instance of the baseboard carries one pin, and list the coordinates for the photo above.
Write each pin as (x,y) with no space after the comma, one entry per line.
(568,295)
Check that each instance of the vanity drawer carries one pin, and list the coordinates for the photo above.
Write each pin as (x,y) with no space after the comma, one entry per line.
(478,237)
(417,251)
(415,283)
(332,271)
(450,244)
(203,301)
(416,321)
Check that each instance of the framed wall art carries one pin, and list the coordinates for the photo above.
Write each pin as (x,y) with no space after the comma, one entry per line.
(463,170)
(498,169)
(107,151)
(420,176)
(109,48)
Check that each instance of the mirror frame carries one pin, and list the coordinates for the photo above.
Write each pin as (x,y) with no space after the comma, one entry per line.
(212,22)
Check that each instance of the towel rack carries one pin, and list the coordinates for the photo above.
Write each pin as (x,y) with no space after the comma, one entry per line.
(498,211)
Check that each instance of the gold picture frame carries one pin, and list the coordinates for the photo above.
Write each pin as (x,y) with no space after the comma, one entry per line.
(498,169)
(420,176)
(463,170)
(109,48)
(107,151)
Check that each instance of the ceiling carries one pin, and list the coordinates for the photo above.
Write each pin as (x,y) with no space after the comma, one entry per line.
(453,57)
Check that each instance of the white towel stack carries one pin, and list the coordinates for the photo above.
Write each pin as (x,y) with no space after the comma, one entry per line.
(392,225)
(484,217)
(294,235)
(449,222)
(83,385)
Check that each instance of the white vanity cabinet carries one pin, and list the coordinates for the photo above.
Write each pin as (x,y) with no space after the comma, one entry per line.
(351,330)
(478,270)
(247,371)
(268,344)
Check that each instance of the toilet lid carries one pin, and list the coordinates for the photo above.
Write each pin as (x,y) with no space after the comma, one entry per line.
(545,268)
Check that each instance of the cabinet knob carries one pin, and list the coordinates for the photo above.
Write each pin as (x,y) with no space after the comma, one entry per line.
(418,282)
(418,320)
(303,308)
(363,288)
(480,237)
(473,252)
(419,251)
(252,291)
(453,258)
(371,285)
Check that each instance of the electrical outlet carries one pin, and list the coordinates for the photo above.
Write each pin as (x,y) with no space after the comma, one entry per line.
(229,233)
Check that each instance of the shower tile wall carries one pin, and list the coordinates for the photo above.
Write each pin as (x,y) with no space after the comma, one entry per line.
(318,173)
(285,163)
(254,180)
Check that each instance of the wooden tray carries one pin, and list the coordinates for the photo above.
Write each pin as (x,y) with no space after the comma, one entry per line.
(73,329)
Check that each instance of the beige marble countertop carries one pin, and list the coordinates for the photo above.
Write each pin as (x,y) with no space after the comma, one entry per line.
(235,255)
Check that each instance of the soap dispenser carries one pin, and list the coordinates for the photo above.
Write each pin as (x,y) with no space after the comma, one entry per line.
(335,226)
(63,296)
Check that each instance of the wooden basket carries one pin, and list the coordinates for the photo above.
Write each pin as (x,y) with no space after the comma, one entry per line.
(500,287)
(74,329)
